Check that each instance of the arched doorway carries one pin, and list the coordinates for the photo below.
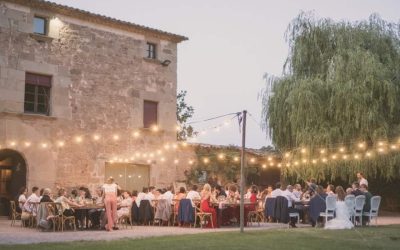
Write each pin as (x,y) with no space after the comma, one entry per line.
(12,177)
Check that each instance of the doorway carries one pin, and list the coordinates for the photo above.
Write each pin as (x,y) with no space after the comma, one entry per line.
(129,176)
(12,178)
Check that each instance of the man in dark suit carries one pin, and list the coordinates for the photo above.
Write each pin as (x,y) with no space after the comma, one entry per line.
(356,189)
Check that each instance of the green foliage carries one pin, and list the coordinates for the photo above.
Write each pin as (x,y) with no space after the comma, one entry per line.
(183,113)
(341,84)
(225,170)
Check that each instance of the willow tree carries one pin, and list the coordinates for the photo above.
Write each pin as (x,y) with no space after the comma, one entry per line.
(340,84)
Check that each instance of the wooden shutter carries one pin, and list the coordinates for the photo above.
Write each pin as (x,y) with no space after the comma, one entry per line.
(150,114)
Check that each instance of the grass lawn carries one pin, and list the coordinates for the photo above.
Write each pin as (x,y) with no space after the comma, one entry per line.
(385,237)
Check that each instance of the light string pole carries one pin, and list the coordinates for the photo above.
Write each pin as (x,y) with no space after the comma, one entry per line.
(242,177)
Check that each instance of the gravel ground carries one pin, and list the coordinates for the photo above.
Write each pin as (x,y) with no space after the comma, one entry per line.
(19,235)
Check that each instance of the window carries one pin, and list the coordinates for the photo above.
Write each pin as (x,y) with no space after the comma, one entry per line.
(151,50)
(40,25)
(150,114)
(37,94)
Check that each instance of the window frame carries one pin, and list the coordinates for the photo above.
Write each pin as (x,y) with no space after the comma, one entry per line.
(46,28)
(36,93)
(149,126)
(151,54)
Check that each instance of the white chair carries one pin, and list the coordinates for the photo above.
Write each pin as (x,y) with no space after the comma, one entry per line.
(350,201)
(330,207)
(373,212)
(358,209)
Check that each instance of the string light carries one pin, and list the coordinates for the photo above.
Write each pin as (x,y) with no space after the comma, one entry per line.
(324,160)
(393,147)
(304,161)
(252,160)
(136,134)
(13,143)
(78,139)
(191,162)
(368,154)
(155,128)
(264,166)
(334,157)
(60,144)
(356,156)
(27,144)
(303,150)
(96,137)
(206,160)
(287,155)
(345,157)
(314,161)
(271,164)
(279,165)
(269,158)
(162,159)
(44,145)
(342,149)
(236,158)
(322,151)
(221,156)
(296,163)
(361,145)
(115,137)
(176,161)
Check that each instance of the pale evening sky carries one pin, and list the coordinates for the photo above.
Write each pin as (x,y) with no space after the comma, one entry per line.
(232,44)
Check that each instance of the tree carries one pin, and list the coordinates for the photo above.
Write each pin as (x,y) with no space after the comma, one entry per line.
(341,84)
(183,113)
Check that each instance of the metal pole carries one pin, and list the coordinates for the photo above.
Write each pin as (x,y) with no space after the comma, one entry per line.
(242,166)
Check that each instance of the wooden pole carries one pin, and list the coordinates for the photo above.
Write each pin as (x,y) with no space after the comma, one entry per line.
(242,166)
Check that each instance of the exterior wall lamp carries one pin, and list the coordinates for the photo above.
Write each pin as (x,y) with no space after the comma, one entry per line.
(165,63)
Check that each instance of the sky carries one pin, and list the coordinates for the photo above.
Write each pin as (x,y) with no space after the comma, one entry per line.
(232,44)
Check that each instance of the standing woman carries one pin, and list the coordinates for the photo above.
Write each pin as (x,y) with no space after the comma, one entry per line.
(110,190)
(206,199)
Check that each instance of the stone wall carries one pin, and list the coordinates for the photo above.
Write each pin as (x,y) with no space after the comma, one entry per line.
(100,79)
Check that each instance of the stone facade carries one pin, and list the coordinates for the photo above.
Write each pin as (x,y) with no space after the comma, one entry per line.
(100,80)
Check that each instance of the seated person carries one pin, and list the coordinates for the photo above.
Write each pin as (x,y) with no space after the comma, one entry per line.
(356,189)
(94,214)
(30,205)
(193,195)
(219,191)
(253,200)
(125,205)
(22,198)
(179,196)
(66,203)
(288,194)
(317,205)
(46,195)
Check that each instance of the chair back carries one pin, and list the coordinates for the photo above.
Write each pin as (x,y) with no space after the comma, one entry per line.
(350,201)
(269,207)
(330,203)
(375,203)
(58,209)
(186,211)
(359,203)
(13,207)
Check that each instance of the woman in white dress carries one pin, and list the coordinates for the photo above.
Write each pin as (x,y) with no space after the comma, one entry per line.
(342,219)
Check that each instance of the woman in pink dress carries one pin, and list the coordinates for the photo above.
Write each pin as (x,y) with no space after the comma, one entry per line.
(110,190)
(206,198)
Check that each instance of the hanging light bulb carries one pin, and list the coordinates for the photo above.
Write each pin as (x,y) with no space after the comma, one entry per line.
(27,144)
(155,128)
(264,166)
(271,164)
(191,162)
(60,144)
(206,160)
(236,158)
(162,159)
(322,151)
(334,157)
(361,145)
(296,163)
(324,160)
(393,147)
(342,149)
(221,156)
(136,134)
(44,145)
(303,150)
(115,137)
(176,161)
(279,165)
(345,157)
(304,161)
(78,139)
(253,160)
(314,161)
(13,143)
(356,156)
(368,154)
(287,155)
(96,137)
(269,158)
(184,144)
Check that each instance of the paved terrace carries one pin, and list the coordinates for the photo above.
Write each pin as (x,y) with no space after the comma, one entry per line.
(20,235)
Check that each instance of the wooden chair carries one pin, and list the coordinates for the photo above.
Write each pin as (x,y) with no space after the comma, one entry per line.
(63,218)
(55,217)
(14,214)
(124,220)
(256,215)
(202,217)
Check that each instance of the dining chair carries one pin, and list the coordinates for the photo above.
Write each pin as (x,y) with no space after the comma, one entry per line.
(330,208)
(373,212)
(14,214)
(358,208)
(350,201)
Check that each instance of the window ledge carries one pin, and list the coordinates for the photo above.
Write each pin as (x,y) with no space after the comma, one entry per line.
(27,115)
(41,38)
(150,60)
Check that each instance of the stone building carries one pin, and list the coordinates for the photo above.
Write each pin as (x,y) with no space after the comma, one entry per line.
(83,97)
